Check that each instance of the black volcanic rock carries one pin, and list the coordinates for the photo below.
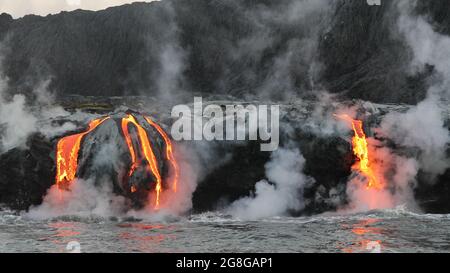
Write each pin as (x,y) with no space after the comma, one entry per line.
(438,12)
(5,22)
(233,180)
(365,58)
(227,47)
(26,175)
(434,196)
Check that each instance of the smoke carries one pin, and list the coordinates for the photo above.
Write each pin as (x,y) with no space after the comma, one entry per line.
(19,117)
(301,55)
(296,55)
(282,191)
(250,61)
(420,129)
(397,174)
(321,120)
(246,61)
(84,199)
(168,57)
(170,79)
(174,203)
(393,175)
(277,46)
(423,126)
(428,46)
(16,121)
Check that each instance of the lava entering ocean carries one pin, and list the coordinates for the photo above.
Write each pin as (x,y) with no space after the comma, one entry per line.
(147,151)
(67,155)
(169,152)
(361,151)
(68,148)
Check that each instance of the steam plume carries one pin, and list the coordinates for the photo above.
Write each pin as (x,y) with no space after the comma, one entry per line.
(284,191)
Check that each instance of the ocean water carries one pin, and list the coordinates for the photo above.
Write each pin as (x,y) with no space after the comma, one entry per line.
(377,231)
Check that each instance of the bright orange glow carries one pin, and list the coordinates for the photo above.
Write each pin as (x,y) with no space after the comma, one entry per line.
(68,152)
(364,227)
(169,152)
(67,155)
(361,151)
(147,151)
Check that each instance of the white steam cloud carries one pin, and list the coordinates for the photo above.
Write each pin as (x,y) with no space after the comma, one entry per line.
(422,126)
(20,118)
(85,199)
(284,191)
(94,197)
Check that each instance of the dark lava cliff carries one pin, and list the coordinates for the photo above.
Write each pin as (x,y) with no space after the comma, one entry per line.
(219,46)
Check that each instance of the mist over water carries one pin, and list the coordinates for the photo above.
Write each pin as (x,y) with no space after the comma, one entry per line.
(394,230)
(285,192)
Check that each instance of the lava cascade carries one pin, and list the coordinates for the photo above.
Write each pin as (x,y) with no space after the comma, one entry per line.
(147,151)
(361,151)
(169,152)
(67,155)
(68,152)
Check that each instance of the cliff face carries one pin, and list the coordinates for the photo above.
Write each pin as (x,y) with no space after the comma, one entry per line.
(229,47)
(5,23)
(364,56)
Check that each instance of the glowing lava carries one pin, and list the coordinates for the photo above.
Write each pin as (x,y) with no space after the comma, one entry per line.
(169,151)
(361,151)
(67,155)
(146,150)
(141,153)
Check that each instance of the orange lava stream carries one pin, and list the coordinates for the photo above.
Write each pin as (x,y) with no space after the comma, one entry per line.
(361,151)
(146,150)
(67,155)
(169,152)
(68,151)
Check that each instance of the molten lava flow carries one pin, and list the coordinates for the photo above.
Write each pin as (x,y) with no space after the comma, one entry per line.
(67,155)
(68,149)
(147,151)
(361,150)
(169,152)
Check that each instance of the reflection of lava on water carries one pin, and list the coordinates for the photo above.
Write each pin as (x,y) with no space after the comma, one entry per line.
(64,229)
(65,232)
(143,226)
(146,237)
(367,237)
(142,149)
(364,228)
